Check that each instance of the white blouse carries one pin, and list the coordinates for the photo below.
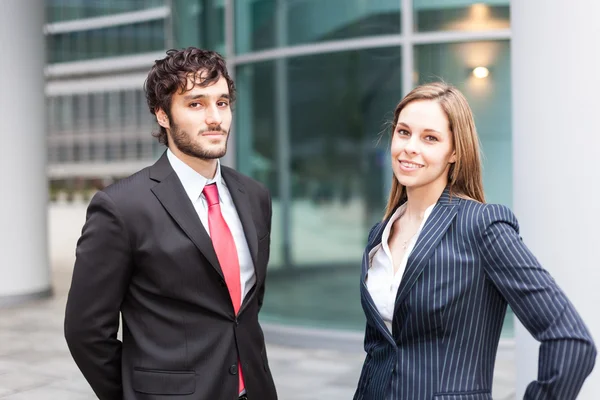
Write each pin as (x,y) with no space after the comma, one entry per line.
(382,283)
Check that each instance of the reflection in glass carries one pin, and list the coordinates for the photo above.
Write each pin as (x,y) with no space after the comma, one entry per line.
(255,23)
(256,140)
(489,98)
(199,23)
(338,108)
(461,15)
(264,24)
(337,105)
(319,20)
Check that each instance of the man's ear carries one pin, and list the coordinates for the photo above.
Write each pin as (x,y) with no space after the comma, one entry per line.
(162,119)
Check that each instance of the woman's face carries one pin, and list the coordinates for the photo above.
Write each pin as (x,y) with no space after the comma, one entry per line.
(422,146)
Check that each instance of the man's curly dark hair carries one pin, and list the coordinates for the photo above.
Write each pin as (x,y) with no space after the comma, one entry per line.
(172,73)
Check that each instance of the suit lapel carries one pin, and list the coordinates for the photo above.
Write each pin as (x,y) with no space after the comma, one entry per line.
(371,311)
(241,201)
(435,227)
(242,205)
(171,194)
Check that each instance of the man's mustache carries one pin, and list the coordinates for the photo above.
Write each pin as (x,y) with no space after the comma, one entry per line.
(215,129)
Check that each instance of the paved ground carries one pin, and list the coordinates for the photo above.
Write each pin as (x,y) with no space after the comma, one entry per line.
(35,363)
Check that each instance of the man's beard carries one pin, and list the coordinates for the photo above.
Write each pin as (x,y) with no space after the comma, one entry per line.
(186,144)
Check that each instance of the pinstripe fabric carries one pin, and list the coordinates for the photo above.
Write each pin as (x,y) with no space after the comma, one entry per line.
(467,265)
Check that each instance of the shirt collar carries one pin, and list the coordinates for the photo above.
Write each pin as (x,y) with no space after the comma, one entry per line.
(193,183)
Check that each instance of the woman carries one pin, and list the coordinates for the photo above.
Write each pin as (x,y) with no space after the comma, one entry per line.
(440,269)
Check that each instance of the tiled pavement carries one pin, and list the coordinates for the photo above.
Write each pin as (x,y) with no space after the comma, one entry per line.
(35,363)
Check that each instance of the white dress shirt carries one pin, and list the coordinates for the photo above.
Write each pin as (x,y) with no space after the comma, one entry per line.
(194,183)
(382,283)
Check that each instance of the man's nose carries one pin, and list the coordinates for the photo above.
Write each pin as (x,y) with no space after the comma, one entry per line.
(213,115)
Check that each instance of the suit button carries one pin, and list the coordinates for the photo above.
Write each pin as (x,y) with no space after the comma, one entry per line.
(233,369)
(237,322)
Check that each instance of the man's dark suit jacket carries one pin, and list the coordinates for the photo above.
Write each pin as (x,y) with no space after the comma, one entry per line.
(144,253)
(468,263)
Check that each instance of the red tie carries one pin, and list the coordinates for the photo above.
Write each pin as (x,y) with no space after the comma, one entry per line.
(226,253)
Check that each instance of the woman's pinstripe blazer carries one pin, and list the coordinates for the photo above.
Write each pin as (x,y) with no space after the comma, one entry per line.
(467,265)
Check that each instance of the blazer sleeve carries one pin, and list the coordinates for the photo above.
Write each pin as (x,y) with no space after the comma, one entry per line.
(100,279)
(567,353)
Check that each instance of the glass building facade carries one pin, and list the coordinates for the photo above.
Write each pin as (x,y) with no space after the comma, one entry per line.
(317,82)
(317,85)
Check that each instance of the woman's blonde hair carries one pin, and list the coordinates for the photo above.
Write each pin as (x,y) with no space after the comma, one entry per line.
(464,176)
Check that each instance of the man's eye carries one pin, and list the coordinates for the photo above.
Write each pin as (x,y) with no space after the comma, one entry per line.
(223,104)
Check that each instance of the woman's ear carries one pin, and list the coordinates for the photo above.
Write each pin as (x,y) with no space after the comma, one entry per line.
(452,158)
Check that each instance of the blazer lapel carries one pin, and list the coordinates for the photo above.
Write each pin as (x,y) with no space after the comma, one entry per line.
(368,304)
(171,194)
(242,205)
(244,211)
(436,226)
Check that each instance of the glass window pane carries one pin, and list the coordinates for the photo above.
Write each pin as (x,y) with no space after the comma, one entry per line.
(319,20)
(128,110)
(52,48)
(259,25)
(112,40)
(80,107)
(97,113)
(113,111)
(337,110)
(254,25)
(107,42)
(81,44)
(130,150)
(256,141)
(112,150)
(489,98)
(157,29)
(64,152)
(147,121)
(52,152)
(51,120)
(144,149)
(461,15)
(61,10)
(66,118)
(199,23)
(326,111)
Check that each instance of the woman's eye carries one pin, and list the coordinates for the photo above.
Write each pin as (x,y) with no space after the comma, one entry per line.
(430,138)
(403,132)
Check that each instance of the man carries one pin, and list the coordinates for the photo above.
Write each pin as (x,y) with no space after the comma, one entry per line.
(179,250)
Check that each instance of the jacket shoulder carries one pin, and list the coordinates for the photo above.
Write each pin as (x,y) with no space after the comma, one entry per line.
(481,215)
(123,189)
(244,179)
